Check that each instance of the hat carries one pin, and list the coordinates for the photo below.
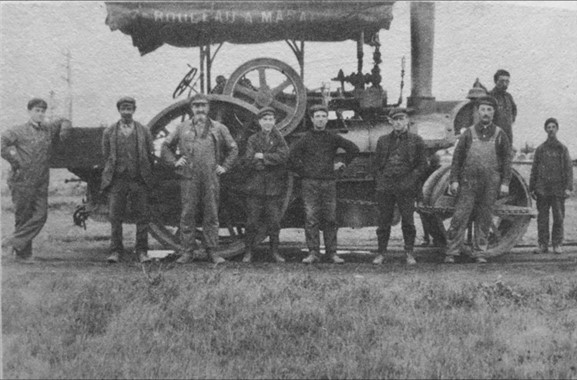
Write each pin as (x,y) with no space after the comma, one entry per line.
(488,100)
(551,120)
(266,111)
(125,99)
(399,110)
(198,99)
(37,102)
(318,107)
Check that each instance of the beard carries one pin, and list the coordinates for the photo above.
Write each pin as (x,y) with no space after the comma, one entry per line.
(199,118)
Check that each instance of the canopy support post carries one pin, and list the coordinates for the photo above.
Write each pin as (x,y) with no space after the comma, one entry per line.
(202,54)
(359,85)
(209,60)
(299,52)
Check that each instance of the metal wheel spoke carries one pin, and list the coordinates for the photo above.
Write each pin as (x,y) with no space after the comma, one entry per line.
(278,89)
(247,91)
(261,77)
(284,107)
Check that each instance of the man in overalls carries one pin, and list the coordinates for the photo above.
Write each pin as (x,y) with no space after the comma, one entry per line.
(28,148)
(480,172)
(208,151)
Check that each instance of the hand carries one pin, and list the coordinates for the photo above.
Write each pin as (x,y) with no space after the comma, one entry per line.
(220,170)
(504,191)
(453,188)
(567,193)
(181,162)
(339,165)
(259,156)
(533,195)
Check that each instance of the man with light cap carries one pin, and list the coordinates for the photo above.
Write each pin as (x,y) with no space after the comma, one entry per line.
(550,184)
(313,158)
(480,172)
(266,159)
(398,166)
(28,148)
(207,150)
(128,152)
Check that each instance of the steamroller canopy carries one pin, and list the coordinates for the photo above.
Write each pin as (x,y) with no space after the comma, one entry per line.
(190,24)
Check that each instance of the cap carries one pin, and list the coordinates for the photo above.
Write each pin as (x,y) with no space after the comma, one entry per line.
(37,102)
(318,107)
(551,120)
(398,110)
(199,99)
(266,111)
(125,99)
(488,100)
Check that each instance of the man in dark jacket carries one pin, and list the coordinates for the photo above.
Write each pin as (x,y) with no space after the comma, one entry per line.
(480,172)
(313,158)
(207,151)
(266,158)
(506,111)
(128,151)
(28,148)
(398,166)
(551,182)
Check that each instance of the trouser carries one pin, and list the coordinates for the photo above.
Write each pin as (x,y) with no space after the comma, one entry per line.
(476,194)
(196,193)
(262,211)
(30,214)
(386,201)
(433,228)
(320,201)
(123,191)
(557,206)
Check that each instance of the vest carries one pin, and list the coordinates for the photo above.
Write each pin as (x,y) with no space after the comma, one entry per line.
(126,155)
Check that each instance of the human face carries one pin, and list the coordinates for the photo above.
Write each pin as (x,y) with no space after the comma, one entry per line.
(551,129)
(400,122)
(320,119)
(126,111)
(486,113)
(37,114)
(502,82)
(267,122)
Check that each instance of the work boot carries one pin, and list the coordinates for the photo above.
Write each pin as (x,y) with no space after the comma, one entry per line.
(247,256)
(185,258)
(449,260)
(410,259)
(541,249)
(336,259)
(480,260)
(557,249)
(113,258)
(311,258)
(274,241)
(215,258)
(378,260)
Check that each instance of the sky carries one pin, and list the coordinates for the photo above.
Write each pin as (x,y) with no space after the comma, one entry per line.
(535,41)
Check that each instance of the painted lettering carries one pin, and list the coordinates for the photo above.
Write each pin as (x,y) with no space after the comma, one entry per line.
(279,16)
(266,17)
(218,16)
(248,18)
(158,15)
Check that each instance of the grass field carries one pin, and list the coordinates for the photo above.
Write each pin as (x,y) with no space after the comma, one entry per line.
(70,315)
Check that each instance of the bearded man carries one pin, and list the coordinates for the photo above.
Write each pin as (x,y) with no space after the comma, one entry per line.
(207,150)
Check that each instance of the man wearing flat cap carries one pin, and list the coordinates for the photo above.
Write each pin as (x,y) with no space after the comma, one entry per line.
(207,150)
(313,158)
(480,173)
(506,109)
(265,159)
(128,151)
(550,184)
(398,165)
(28,148)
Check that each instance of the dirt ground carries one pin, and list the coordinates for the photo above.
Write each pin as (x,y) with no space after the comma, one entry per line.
(62,241)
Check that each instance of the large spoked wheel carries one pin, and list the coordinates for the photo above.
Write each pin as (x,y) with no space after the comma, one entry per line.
(268,82)
(165,201)
(511,215)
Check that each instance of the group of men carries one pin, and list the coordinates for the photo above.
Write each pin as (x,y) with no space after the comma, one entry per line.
(202,149)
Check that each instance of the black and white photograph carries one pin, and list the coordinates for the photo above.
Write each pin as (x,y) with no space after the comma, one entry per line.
(302,189)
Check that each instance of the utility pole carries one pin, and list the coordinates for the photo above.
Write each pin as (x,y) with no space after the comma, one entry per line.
(68,79)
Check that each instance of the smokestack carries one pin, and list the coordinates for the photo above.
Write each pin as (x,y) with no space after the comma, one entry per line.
(422,48)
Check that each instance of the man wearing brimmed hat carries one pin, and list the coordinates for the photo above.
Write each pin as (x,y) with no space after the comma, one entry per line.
(480,172)
(550,184)
(506,109)
(28,148)
(265,159)
(313,158)
(128,152)
(207,151)
(398,166)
